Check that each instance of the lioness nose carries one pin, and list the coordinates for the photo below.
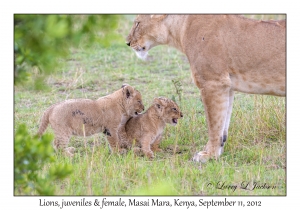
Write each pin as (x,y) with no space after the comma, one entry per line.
(128,43)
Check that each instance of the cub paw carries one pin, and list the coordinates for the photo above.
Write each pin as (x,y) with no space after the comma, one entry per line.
(69,152)
(137,151)
(149,154)
(70,149)
(122,151)
(157,150)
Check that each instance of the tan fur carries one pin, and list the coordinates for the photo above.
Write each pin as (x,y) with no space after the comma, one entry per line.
(226,53)
(85,117)
(146,129)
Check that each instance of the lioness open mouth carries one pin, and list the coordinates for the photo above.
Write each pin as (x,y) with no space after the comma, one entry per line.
(174,120)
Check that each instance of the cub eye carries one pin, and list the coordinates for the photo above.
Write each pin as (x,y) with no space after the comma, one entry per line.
(137,24)
(174,109)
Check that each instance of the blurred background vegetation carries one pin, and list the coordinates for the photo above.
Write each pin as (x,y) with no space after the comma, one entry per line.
(41,40)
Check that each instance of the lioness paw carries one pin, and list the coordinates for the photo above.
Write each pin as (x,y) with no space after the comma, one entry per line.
(202,157)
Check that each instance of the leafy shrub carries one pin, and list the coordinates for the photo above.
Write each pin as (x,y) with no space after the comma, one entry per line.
(40,40)
(31,154)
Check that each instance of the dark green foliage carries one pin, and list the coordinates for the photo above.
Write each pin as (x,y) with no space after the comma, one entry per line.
(31,154)
(40,40)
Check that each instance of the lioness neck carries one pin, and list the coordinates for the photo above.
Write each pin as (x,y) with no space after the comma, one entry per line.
(175,34)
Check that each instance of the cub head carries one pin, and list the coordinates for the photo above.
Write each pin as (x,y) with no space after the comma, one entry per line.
(167,110)
(132,100)
(147,31)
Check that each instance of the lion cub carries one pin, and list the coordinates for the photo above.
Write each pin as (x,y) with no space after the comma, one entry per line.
(85,117)
(147,128)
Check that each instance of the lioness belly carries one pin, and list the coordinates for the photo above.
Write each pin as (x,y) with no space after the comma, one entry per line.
(258,85)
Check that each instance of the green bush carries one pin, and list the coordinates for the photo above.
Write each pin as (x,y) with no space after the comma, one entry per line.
(31,154)
(40,40)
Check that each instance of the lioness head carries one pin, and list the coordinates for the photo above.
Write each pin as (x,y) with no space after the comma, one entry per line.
(167,110)
(132,100)
(146,32)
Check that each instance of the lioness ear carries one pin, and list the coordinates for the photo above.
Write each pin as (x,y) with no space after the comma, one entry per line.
(158,17)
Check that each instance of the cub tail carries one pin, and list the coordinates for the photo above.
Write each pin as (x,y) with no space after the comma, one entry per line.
(44,121)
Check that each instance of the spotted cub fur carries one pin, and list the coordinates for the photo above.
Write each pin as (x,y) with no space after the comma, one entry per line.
(85,117)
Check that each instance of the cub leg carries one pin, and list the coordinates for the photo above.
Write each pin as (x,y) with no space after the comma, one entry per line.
(114,143)
(145,143)
(122,135)
(61,141)
(215,96)
(155,145)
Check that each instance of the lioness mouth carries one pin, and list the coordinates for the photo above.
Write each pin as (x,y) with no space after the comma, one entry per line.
(136,113)
(174,120)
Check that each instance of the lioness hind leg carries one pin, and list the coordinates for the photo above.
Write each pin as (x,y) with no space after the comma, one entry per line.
(215,97)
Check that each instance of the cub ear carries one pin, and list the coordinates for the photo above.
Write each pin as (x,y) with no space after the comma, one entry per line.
(125,84)
(127,91)
(158,103)
(158,17)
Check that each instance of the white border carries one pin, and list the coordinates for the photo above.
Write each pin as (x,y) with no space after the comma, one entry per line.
(10,7)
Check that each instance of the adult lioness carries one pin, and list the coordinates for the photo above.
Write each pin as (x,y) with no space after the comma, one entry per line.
(226,53)
(85,117)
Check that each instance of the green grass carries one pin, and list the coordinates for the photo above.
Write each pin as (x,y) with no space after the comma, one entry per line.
(255,152)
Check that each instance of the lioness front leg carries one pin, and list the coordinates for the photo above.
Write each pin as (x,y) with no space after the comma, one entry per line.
(228,116)
(216,97)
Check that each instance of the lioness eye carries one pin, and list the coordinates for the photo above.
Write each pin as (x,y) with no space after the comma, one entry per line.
(137,24)
(174,109)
